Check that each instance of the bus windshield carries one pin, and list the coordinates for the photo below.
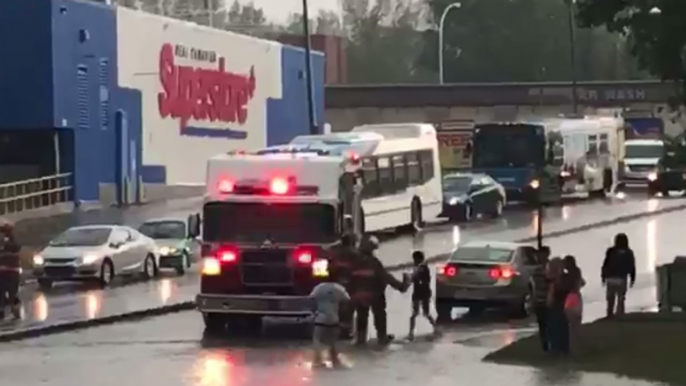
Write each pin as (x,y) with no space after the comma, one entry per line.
(644,151)
(278,223)
(507,146)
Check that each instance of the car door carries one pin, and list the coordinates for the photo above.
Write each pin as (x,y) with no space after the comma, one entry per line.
(478,195)
(527,262)
(138,245)
(124,257)
(491,193)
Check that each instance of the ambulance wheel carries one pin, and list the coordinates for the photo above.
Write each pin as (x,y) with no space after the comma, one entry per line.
(214,322)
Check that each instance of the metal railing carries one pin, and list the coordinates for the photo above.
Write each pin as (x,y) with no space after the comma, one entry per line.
(35,193)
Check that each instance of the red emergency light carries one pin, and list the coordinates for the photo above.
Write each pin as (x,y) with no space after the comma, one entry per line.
(279,186)
(225,185)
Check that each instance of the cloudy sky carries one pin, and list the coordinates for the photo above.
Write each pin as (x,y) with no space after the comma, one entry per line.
(278,10)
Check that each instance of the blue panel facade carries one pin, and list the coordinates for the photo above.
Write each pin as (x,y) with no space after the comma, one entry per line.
(26,96)
(289,117)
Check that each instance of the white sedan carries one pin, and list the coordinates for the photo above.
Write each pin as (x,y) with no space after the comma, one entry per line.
(98,252)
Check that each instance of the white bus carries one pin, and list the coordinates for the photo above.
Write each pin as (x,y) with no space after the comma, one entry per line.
(400,170)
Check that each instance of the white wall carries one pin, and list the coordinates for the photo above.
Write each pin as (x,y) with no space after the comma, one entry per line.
(140,39)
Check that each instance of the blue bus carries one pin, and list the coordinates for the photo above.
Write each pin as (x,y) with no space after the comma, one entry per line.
(522,157)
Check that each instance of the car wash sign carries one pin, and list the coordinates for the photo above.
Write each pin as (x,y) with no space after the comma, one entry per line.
(201,90)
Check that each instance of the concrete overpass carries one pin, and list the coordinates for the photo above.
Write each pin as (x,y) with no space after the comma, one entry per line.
(347,106)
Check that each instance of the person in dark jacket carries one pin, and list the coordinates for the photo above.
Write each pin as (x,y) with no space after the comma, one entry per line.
(541,287)
(558,325)
(9,271)
(618,272)
(343,256)
(369,281)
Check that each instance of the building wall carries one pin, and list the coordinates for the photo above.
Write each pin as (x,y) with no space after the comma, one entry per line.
(92,74)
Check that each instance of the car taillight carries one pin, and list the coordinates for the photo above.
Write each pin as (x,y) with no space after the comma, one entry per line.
(504,272)
(447,270)
(225,186)
(279,186)
(227,255)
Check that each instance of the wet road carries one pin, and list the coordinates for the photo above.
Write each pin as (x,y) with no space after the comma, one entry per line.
(69,302)
(172,350)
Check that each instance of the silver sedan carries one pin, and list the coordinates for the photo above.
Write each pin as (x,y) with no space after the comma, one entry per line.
(97,253)
(487,274)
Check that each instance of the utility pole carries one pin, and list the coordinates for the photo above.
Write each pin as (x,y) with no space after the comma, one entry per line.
(308,70)
(571,8)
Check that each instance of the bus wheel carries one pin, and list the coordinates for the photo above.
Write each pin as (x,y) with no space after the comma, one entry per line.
(416,215)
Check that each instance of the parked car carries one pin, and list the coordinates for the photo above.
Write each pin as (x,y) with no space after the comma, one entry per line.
(466,195)
(177,244)
(96,253)
(485,274)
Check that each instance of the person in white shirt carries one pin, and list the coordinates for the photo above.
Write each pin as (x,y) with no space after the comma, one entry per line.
(328,298)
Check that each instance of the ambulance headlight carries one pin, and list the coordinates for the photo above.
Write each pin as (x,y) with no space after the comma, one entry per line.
(320,268)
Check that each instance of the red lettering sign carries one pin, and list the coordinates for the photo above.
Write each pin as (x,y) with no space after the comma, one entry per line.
(453,139)
(203,94)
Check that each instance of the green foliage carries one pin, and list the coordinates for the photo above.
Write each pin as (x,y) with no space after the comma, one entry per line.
(655,30)
(246,14)
(521,40)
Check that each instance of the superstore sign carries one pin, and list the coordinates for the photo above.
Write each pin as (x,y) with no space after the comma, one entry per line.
(202,93)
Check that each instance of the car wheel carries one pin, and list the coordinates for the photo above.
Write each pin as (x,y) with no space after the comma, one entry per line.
(106,273)
(444,311)
(181,270)
(44,284)
(525,308)
(214,322)
(498,209)
(468,212)
(149,267)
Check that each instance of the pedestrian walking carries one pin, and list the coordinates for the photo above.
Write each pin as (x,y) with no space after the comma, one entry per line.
(421,292)
(342,257)
(618,273)
(9,271)
(328,297)
(558,325)
(574,282)
(541,288)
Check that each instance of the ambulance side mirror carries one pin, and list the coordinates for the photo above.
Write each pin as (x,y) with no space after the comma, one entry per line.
(194,226)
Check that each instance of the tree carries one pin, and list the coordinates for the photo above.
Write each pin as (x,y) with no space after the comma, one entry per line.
(383,41)
(654,31)
(326,23)
(485,43)
(246,15)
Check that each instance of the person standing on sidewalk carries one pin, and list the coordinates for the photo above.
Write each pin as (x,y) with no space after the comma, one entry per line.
(574,309)
(9,271)
(558,325)
(541,288)
(618,272)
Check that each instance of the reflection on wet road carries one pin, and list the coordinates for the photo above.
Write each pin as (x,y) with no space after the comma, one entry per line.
(172,350)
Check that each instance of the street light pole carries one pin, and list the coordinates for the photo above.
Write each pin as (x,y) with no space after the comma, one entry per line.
(308,70)
(572,53)
(441,25)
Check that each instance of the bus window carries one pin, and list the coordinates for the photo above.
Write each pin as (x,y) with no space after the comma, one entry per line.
(603,144)
(593,144)
(427,163)
(414,171)
(370,178)
(385,175)
(399,172)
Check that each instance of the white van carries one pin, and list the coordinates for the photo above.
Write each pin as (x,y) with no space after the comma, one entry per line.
(641,157)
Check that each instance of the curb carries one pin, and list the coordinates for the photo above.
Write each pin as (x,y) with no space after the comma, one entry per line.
(190,305)
(564,232)
(34,332)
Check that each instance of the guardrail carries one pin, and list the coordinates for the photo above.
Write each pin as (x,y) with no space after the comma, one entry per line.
(35,193)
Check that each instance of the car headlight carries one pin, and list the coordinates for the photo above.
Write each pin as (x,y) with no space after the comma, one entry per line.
(454,201)
(38,260)
(535,184)
(90,259)
(652,176)
(564,174)
(164,251)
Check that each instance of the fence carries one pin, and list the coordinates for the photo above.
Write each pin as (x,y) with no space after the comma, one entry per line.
(35,193)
